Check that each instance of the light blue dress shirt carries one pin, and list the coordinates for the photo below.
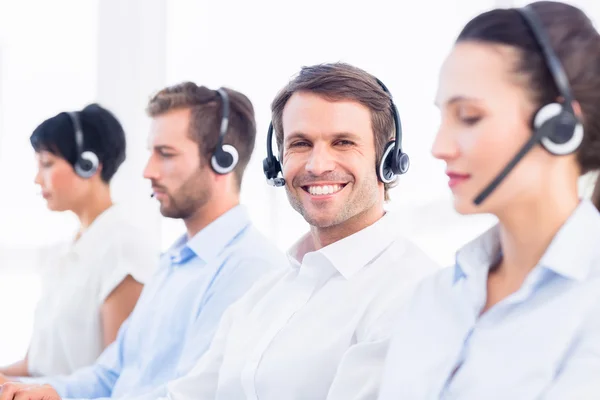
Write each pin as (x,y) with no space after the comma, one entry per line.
(178,311)
(541,342)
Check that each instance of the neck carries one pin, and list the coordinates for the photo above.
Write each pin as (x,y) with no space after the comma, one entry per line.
(527,230)
(205,215)
(325,236)
(95,205)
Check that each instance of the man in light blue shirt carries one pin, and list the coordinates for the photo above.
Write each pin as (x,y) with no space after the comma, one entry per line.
(210,267)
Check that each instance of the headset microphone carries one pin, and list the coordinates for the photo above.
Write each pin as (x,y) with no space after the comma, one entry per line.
(554,125)
(500,177)
(277,182)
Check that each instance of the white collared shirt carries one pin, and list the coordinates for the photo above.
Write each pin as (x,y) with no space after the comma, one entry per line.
(76,280)
(319,330)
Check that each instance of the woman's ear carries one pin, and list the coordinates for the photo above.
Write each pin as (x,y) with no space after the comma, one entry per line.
(577,109)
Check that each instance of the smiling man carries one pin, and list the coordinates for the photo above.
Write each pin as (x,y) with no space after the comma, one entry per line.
(330,161)
(320,329)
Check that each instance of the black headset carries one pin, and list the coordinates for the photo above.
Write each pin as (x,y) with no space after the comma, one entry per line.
(554,125)
(225,157)
(87,161)
(393,161)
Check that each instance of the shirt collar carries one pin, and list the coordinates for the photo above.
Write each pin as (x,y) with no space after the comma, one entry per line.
(571,253)
(574,248)
(210,241)
(351,254)
(478,255)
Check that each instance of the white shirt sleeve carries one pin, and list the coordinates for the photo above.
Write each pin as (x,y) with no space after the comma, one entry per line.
(128,256)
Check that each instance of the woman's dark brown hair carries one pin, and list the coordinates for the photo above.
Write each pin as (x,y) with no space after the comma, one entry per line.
(576,43)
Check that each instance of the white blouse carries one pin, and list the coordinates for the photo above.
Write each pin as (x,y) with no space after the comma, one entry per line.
(76,280)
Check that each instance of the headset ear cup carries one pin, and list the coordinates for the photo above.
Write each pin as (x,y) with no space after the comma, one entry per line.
(563,133)
(565,144)
(545,114)
(403,163)
(87,164)
(224,159)
(267,167)
(271,167)
(385,171)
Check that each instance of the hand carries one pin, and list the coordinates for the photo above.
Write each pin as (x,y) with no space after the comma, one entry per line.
(23,391)
(4,379)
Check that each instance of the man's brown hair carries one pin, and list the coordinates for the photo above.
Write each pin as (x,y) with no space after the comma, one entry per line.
(340,81)
(205,121)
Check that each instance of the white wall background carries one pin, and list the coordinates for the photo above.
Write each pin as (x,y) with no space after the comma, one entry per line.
(64,54)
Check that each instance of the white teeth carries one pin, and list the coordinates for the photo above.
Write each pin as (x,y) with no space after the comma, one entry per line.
(324,190)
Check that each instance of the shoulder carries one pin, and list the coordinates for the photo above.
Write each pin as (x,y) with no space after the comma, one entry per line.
(438,282)
(412,301)
(129,239)
(431,293)
(250,260)
(253,247)
(402,268)
(129,251)
(262,286)
(406,263)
